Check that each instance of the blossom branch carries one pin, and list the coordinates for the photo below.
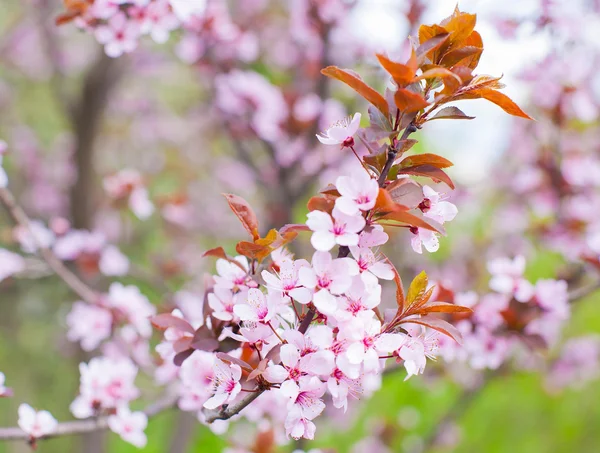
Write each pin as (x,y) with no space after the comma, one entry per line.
(392,153)
(88,425)
(20,218)
(228,411)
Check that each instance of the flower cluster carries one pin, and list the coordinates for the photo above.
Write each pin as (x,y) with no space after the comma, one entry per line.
(516,314)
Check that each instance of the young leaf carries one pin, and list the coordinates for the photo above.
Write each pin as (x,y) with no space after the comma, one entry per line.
(244,212)
(219,252)
(425,159)
(400,301)
(167,320)
(441,307)
(430,45)
(408,101)
(413,220)
(325,204)
(428,171)
(503,101)
(359,86)
(402,74)
(451,113)
(416,290)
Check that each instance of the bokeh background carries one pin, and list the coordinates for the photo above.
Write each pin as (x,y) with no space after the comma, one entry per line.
(66,109)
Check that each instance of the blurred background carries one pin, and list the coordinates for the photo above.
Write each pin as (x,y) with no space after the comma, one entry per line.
(232,105)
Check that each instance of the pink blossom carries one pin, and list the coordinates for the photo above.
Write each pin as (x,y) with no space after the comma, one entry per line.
(488,312)
(297,363)
(133,305)
(328,277)
(435,208)
(258,307)
(372,236)
(118,36)
(29,238)
(140,204)
(89,325)
(129,425)
(553,297)
(104,384)
(422,237)
(113,262)
(287,281)
(304,405)
(222,301)
(369,264)
(185,9)
(197,374)
(232,275)
(226,384)
(36,423)
(358,192)
(342,132)
(4,391)
(507,278)
(342,229)
(10,264)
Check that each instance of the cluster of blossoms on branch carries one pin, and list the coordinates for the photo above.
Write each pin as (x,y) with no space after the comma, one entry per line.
(275,338)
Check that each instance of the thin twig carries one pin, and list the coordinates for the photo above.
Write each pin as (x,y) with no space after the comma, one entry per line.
(57,266)
(88,425)
(583,291)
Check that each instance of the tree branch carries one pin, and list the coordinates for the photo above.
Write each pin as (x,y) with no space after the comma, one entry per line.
(21,219)
(89,425)
(228,411)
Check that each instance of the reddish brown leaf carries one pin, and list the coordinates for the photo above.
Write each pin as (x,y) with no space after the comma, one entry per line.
(451,113)
(180,358)
(503,101)
(400,301)
(428,171)
(407,101)
(460,55)
(183,344)
(402,74)
(437,324)
(167,320)
(321,204)
(425,159)
(244,212)
(358,85)
(442,307)
(204,340)
(430,45)
(438,72)
(460,26)
(406,192)
(411,219)
(253,251)
(293,227)
(385,203)
(228,358)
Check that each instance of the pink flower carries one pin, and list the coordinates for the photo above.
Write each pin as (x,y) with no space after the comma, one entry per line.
(10,264)
(422,237)
(435,208)
(226,384)
(297,363)
(140,204)
(488,312)
(197,375)
(104,384)
(232,275)
(129,425)
(4,391)
(553,297)
(304,405)
(185,9)
(36,423)
(159,21)
(89,324)
(369,264)
(113,262)
(287,281)
(134,305)
(342,132)
(342,229)
(222,302)
(328,277)
(119,36)
(259,308)
(358,192)
(507,278)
